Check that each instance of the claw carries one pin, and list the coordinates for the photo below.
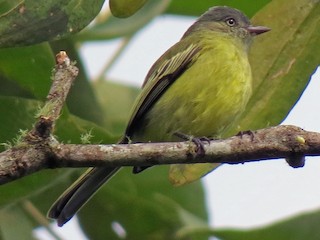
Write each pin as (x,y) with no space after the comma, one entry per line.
(198,141)
(200,146)
(247,132)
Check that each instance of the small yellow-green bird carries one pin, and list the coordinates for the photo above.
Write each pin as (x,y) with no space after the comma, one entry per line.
(198,87)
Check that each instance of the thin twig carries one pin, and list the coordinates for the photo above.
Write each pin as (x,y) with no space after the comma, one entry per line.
(38,217)
(63,76)
(124,43)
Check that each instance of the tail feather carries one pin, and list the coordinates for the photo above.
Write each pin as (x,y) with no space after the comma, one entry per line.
(69,203)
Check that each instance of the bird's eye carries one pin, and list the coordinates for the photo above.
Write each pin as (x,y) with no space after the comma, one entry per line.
(231,22)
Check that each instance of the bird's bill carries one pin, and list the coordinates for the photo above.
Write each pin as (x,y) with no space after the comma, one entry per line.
(256,30)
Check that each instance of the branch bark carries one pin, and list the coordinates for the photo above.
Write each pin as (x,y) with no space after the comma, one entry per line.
(286,141)
(40,150)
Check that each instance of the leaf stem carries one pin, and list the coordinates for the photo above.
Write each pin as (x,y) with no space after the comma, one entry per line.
(38,217)
(124,43)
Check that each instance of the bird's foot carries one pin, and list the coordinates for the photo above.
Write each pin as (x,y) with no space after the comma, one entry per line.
(198,141)
(247,132)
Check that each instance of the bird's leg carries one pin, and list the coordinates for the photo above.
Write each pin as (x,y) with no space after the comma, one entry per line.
(198,141)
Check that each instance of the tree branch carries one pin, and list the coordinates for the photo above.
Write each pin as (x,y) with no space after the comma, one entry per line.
(276,142)
(40,150)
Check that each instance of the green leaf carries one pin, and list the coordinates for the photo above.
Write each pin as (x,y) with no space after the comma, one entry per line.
(304,226)
(69,128)
(145,205)
(29,22)
(16,114)
(282,60)
(196,8)
(15,224)
(26,71)
(7,6)
(125,8)
(113,27)
(31,185)
(116,115)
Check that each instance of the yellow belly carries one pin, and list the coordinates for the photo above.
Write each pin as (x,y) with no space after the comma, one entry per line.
(205,100)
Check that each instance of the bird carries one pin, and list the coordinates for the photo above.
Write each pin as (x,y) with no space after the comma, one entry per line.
(198,87)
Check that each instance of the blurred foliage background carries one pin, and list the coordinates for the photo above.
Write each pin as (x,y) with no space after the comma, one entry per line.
(146,206)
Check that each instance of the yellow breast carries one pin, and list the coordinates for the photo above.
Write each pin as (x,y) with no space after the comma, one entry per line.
(207,98)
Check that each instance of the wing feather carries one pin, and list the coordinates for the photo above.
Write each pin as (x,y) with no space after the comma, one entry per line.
(159,78)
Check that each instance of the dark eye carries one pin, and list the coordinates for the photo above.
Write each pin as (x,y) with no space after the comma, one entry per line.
(231,22)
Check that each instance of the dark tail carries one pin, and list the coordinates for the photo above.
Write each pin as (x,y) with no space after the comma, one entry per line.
(69,203)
